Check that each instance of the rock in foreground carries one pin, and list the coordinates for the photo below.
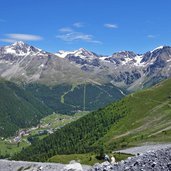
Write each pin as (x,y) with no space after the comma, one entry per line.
(6,165)
(159,160)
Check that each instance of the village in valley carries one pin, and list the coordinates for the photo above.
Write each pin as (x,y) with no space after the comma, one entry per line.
(26,136)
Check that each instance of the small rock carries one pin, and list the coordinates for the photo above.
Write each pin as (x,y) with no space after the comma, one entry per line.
(73,166)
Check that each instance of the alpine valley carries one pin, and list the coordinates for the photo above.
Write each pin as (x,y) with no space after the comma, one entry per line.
(35,83)
(72,105)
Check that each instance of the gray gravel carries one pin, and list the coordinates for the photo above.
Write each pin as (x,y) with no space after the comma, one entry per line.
(144,148)
(159,160)
(154,160)
(6,165)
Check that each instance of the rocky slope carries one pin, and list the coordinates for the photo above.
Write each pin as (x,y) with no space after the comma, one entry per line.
(124,68)
(159,160)
(54,81)
(21,62)
(144,148)
(6,165)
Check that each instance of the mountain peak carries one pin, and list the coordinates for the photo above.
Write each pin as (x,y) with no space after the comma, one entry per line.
(124,54)
(18,43)
(20,48)
(83,49)
(81,52)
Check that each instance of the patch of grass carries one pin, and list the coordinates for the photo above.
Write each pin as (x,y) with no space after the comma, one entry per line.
(59,120)
(88,158)
(8,149)
(71,90)
(121,156)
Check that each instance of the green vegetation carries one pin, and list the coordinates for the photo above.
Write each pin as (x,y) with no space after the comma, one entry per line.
(63,96)
(141,117)
(87,158)
(8,149)
(67,99)
(55,121)
(148,119)
(76,137)
(58,120)
(18,109)
(24,106)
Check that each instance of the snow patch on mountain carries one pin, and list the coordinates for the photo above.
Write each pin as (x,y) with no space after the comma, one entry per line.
(138,60)
(158,48)
(21,49)
(82,53)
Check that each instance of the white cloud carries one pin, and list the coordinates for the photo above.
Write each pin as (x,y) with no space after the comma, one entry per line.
(150,36)
(77,36)
(111,26)
(65,29)
(8,40)
(24,37)
(78,24)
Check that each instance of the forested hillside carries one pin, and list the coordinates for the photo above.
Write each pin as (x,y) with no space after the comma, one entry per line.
(23,106)
(67,99)
(140,117)
(77,137)
(18,109)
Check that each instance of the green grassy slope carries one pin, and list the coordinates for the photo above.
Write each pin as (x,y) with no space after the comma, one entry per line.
(87,158)
(140,117)
(18,108)
(148,119)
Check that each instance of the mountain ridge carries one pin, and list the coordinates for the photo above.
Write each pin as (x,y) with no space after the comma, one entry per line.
(21,62)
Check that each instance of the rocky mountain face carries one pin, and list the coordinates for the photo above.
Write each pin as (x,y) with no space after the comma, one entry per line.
(24,63)
(126,68)
(60,83)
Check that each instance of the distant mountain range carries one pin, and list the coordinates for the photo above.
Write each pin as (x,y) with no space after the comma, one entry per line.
(23,63)
(69,82)
(124,69)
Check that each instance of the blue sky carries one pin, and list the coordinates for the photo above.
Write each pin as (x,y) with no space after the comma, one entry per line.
(102,26)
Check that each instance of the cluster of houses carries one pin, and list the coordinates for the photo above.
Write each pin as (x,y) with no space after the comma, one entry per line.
(41,130)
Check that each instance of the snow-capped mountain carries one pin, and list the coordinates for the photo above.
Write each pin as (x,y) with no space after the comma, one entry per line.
(22,62)
(125,68)
(82,53)
(20,49)
(80,56)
